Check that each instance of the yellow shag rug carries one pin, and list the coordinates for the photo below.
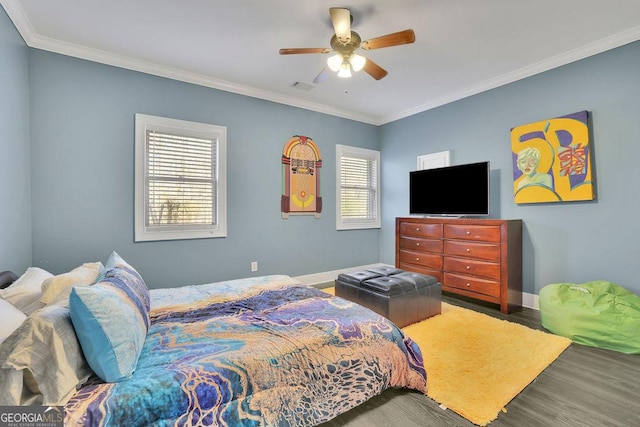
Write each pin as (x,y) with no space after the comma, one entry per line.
(476,364)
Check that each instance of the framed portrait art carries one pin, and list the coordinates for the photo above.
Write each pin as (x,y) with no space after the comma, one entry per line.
(552,160)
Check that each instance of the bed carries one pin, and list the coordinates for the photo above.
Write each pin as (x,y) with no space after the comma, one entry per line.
(256,351)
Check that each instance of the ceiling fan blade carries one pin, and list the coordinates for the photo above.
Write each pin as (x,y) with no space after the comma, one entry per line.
(297,50)
(341,20)
(393,39)
(374,70)
(323,76)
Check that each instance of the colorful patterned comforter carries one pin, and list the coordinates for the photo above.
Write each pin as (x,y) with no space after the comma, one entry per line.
(252,352)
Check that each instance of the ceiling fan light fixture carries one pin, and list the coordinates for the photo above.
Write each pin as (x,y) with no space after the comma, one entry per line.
(357,62)
(345,70)
(335,61)
(345,42)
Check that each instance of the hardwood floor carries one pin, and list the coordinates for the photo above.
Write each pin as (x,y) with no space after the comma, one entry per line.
(585,387)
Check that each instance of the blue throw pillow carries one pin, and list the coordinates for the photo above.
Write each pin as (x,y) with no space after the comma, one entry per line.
(111,319)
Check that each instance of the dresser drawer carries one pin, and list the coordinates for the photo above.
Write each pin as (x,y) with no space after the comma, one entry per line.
(489,270)
(418,244)
(472,284)
(421,230)
(484,233)
(471,249)
(421,258)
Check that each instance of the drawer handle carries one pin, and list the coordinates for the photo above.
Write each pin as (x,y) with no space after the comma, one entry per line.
(468,267)
(417,228)
(468,250)
(468,233)
(417,259)
(417,244)
(468,284)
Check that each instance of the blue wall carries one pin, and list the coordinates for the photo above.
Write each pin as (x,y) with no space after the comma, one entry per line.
(564,242)
(72,190)
(15,194)
(82,136)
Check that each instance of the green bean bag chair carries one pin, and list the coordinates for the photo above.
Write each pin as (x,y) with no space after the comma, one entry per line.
(598,314)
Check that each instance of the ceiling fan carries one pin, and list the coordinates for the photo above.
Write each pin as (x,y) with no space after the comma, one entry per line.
(345,42)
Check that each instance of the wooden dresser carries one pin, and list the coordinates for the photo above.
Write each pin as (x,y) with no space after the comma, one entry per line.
(477,258)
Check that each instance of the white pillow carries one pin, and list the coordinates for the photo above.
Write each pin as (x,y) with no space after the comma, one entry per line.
(57,288)
(25,292)
(12,318)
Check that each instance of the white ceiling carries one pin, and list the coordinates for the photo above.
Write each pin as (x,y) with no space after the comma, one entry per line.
(462,47)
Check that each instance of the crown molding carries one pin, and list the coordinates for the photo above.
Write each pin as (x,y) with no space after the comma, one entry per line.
(617,40)
(19,19)
(146,67)
(34,40)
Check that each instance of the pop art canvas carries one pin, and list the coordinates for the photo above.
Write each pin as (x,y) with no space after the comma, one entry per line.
(552,160)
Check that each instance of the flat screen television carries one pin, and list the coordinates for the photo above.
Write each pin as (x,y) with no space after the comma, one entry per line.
(460,190)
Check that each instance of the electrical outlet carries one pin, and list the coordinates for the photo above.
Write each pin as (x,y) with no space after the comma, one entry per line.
(254,266)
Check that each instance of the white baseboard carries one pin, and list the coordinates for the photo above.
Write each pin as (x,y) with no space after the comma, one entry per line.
(528,300)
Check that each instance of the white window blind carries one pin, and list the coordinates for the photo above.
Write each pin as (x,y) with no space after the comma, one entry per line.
(180,179)
(358,183)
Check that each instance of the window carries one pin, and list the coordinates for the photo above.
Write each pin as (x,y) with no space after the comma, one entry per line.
(357,192)
(180,179)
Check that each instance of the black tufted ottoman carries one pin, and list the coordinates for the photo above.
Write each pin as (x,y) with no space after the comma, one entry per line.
(401,296)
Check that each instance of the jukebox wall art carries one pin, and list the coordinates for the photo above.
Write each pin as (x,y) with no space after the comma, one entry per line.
(301,165)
